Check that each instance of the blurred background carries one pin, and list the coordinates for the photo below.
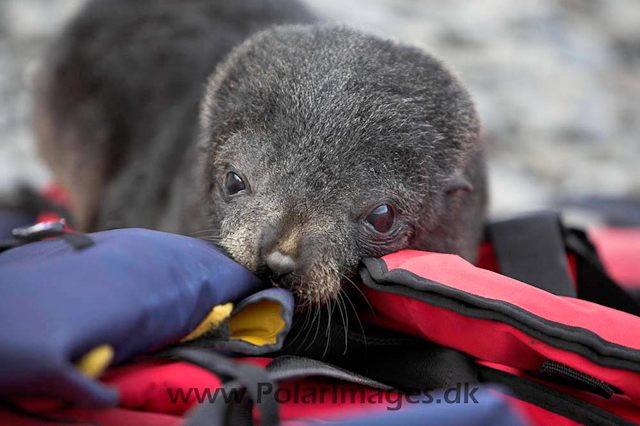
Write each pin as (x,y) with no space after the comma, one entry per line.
(557,84)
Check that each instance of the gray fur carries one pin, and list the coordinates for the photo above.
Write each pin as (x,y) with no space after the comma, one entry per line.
(117,101)
(324,122)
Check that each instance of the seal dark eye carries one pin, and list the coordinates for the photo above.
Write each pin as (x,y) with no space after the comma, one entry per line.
(381,218)
(234,183)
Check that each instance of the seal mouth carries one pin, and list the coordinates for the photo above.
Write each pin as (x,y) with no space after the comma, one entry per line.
(317,286)
(314,282)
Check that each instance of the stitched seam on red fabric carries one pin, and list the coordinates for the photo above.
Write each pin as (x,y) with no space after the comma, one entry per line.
(536,319)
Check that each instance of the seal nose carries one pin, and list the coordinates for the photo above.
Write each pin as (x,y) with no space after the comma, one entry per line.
(280,264)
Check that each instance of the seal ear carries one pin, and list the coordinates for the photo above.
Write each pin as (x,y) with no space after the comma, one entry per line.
(458,182)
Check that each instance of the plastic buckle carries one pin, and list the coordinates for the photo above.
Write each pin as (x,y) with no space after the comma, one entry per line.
(40,231)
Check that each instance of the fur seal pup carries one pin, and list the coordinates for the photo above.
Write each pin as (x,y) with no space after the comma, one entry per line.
(317,145)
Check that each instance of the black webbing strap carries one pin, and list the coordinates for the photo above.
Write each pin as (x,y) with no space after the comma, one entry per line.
(556,372)
(531,249)
(30,234)
(290,367)
(594,284)
(373,352)
(237,376)
(551,400)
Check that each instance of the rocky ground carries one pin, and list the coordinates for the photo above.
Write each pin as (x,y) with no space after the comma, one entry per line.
(557,84)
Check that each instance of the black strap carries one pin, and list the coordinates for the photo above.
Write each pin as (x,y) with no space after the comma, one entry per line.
(556,372)
(289,367)
(33,233)
(531,249)
(552,400)
(376,353)
(78,241)
(31,200)
(243,376)
(594,284)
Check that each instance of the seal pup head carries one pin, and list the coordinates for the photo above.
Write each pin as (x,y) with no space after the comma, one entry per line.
(323,145)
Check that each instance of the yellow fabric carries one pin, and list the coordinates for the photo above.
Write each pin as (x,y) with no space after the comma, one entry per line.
(217,315)
(258,323)
(96,361)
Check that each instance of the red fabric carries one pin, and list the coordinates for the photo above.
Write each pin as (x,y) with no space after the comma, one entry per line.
(143,386)
(487,257)
(57,195)
(497,342)
(573,269)
(330,409)
(143,389)
(454,272)
(619,250)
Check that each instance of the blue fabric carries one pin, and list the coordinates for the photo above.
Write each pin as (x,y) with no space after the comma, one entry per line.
(491,410)
(134,289)
(10,219)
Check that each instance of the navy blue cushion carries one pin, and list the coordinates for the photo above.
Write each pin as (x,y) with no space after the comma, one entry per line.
(135,290)
(10,219)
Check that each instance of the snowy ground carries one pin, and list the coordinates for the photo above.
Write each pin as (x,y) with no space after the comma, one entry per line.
(557,84)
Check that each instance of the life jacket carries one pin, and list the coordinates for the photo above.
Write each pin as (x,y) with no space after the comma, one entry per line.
(141,327)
